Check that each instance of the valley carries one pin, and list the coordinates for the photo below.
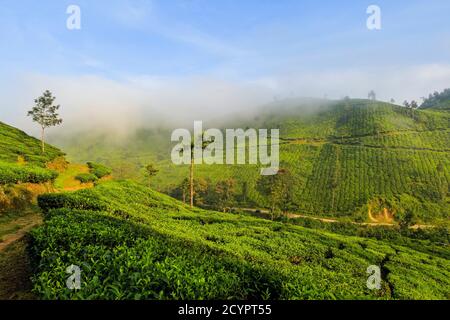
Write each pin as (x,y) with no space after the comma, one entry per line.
(346,158)
(363,183)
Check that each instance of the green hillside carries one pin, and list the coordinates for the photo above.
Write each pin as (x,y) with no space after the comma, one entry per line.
(349,158)
(15,143)
(134,243)
(21,158)
(437,100)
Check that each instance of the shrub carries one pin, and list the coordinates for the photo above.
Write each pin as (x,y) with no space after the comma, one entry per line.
(50,201)
(86,177)
(14,173)
(99,170)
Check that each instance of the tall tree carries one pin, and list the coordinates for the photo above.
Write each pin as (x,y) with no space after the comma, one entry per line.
(372,95)
(191,169)
(45,114)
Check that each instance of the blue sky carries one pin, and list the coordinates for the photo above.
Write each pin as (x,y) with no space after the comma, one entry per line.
(283,47)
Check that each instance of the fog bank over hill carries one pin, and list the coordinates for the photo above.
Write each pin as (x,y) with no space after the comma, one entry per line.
(93,102)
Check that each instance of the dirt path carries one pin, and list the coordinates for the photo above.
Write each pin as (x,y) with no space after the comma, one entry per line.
(15,270)
(371,218)
(32,221)
(330,220)
(292,215)
(14,230)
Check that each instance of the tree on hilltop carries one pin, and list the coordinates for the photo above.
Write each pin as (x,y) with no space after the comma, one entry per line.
(372,95)
(45,114)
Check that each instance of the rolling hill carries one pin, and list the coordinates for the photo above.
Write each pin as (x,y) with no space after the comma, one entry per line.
(356,159)
(17,146)
(25,173)
(22,162)
(437,100)
(134,243)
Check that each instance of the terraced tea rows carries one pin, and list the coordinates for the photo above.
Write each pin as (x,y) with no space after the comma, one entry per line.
(139,244)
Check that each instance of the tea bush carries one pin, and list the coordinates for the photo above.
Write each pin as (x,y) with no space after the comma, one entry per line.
(50,201)
(99,170)
(14,173)
(15,143)
(135,243)
(86,177)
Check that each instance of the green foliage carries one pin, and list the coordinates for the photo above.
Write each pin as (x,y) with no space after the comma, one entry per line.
(437,100)
(78,200)
(16,144)
(278,189)
(21,159)
(202,191)
(342,156)
(150,170)
(86,177)
(44,112)
(139,244)
(14,173)
(430,240)
(224,194)
(99,170)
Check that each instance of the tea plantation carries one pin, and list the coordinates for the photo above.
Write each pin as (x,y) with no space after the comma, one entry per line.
(21,158)
(346,157)
(131,242)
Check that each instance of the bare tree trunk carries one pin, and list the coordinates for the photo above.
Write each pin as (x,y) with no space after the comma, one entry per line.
(191,182)
(42,140)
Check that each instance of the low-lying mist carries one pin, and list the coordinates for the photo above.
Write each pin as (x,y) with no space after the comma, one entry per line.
(96,103)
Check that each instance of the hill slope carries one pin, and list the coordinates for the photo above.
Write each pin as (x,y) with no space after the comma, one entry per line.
(25,172)
(21,159)
(15,143)
(350,158)
(136,243)
(437,100)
